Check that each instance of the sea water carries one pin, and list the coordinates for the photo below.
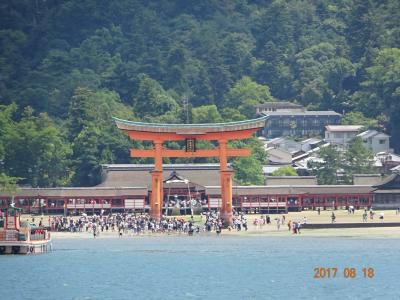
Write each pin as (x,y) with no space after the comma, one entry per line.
(204,267)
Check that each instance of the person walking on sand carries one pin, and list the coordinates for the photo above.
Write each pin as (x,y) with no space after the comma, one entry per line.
(365,216)
(94,231)
(244,224)
(278,223)
(294,227)
(298,226)
(333,217)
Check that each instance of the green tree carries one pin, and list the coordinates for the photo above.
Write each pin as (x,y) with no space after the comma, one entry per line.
(6,126)
(232,115)
(81,112)
(327,166)
(248,171)
(8,184)
(152,101)
(245,95)
(357,159)
(86,157)
(285,171)
(95,138)
(36,150)
(382,90)
(320,75)
(358,118)
(206,114)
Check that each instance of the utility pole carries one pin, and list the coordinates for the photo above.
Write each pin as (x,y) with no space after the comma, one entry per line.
(185,101)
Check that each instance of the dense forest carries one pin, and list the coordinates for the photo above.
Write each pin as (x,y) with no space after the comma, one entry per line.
(67,67)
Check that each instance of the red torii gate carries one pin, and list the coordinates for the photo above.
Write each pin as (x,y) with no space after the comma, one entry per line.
(190,133)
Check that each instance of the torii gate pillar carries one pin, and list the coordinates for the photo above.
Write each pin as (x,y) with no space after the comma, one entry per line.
(226,184)
(221,132)
(156,201)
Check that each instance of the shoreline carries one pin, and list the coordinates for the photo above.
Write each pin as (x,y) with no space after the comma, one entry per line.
(270,230)
(371,232)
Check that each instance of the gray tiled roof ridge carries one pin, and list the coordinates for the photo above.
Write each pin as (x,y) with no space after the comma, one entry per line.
(303,113)
(291,186)
(96,187)
(279,103)
(200,125)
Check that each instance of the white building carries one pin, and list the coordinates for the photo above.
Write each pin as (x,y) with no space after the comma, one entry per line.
(375,141)
(341,134)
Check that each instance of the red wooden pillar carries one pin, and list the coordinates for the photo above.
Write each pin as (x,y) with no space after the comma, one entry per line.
(226,184)
(300,205)
(65,206)
(156,200)
(286,203)
(226,205)
(46,201)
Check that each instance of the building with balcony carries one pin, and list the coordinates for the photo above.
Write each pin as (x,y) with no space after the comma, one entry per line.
(298,123)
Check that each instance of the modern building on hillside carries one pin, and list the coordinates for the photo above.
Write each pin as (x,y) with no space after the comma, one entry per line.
(375,141)
(278,106)
(298,123)
(341,135)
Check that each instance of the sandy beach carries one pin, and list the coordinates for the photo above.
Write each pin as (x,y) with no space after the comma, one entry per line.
(271,229)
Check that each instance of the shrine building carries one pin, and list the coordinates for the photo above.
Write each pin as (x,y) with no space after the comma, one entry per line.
(166,189)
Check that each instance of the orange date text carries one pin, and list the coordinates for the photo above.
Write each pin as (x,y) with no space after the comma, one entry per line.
(347,273)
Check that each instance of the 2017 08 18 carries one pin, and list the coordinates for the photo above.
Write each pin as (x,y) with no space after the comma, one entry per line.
(348,273)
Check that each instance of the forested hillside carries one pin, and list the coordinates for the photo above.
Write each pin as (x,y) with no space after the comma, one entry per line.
(68,66)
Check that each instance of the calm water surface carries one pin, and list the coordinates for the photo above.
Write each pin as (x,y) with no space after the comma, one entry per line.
(203,268)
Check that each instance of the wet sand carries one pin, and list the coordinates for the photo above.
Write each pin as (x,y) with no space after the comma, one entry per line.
(381,232)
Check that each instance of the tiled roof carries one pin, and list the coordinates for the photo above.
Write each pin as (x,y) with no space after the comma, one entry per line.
(190,128)
(293,190)
(139,175)
(367,134)
(343,128)
(279,105)
(303,113)
(80,192)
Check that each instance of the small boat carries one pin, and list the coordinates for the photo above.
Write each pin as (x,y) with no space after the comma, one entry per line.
(20,237)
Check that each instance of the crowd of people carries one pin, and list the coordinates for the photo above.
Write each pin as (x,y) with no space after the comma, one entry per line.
(135,224)
(142,223)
